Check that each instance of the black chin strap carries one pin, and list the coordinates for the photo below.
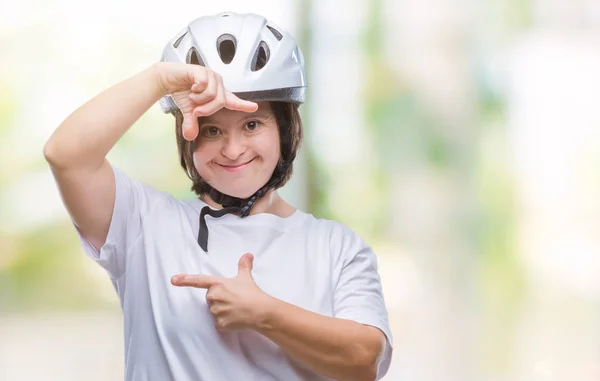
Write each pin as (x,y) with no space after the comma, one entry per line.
(225,200)
(203,231)
(230,205)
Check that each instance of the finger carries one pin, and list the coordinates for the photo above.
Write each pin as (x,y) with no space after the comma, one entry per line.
(214,105)
(221,323)
(213,294)
(216,308)
(200,81)
(189,127)
(245,265)
(232,102)
(198,281)
(208,93)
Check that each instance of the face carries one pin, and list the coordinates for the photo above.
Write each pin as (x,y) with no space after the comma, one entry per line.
(237,152)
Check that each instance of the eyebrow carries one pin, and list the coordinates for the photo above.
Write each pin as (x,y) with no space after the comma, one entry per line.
(260,114)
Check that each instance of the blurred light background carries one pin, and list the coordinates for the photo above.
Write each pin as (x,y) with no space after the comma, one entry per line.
(460,139)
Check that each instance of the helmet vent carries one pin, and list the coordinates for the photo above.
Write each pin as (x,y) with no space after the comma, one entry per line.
(226,45)
(194,58)
(261,57)
(176,44)
(275,32)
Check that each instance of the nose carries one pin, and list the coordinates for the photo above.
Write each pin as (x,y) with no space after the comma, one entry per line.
(233,147)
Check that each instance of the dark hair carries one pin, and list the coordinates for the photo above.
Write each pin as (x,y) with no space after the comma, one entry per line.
(289,124)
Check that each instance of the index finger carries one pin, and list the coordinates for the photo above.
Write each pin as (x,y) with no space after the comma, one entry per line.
(232,102)
(197,281)
(189,127)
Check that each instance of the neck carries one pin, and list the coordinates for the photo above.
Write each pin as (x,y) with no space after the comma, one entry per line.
(271,203)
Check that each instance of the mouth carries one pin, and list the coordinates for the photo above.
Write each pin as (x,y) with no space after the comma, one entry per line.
(236,167)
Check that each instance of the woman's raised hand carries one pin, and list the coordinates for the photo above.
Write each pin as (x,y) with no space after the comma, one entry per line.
(197,91)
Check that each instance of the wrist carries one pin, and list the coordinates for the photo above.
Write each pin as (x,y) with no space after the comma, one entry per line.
(156,72)
(267,314)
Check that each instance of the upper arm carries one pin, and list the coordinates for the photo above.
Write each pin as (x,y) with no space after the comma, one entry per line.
(358,295)
(89,197)
(109,209)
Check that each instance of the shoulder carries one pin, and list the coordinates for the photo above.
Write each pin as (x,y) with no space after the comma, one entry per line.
(341,239)
(148,198)
(331,228)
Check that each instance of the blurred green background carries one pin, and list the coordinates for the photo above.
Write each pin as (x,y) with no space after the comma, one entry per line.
(460,139)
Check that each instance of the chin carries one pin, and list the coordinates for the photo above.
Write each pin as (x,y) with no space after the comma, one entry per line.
(243,193)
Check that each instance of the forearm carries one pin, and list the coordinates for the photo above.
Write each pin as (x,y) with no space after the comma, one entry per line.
(84,139)
(336,348)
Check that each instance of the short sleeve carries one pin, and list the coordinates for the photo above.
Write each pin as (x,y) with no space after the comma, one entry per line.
(133,201)
(358,295)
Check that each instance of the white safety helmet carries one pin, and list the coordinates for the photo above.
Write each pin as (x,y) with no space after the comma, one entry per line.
(257,60)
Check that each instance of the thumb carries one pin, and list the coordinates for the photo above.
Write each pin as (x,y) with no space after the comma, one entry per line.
(245,265)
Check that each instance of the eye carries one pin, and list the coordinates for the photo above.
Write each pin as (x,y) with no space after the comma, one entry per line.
(210,132)
(252,125)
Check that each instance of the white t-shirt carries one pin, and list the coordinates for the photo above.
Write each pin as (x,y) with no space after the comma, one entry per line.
(316,264)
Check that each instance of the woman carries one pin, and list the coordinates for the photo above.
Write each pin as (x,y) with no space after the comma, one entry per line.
(236,284)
